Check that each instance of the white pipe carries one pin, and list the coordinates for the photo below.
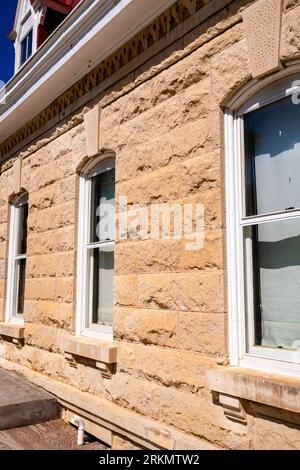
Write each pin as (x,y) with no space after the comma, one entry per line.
(78,421)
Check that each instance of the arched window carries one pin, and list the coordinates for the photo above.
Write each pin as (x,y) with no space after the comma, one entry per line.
(96,245)
(263,223)
(16,275)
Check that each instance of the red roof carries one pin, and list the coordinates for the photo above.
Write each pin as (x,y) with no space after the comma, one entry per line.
(69,3)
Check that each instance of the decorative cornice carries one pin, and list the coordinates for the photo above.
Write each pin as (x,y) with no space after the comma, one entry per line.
(158,29)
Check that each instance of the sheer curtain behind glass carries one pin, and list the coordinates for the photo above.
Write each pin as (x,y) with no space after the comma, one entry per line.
(101,249)
(272,186)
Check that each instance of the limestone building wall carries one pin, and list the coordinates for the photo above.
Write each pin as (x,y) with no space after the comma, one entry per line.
(164,121)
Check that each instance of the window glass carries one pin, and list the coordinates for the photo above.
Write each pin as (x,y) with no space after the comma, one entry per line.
(20,273)
(22,236)
(272,158)
(102,277)
(20,259)
(100,250)
(276,283)
(26,48)
(102,207)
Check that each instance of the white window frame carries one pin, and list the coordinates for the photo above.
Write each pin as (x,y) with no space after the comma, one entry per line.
(11,314)
(21,44)
(266,359)
(94,168)
(29,22)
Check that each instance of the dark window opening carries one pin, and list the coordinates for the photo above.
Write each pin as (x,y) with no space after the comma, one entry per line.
(52,20)
(26,48)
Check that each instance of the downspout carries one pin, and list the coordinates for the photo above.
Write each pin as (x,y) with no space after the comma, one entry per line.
(78,421)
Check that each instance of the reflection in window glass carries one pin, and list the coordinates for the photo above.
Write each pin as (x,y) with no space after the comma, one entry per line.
(102,275)
(272,158)
(100,249)
(26,48)
(20,273)
(102,207)
(276,275)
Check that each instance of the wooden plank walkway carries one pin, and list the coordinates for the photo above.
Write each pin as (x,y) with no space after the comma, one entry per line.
(54,435)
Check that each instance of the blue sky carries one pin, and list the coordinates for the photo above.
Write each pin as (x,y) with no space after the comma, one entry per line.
(7,16)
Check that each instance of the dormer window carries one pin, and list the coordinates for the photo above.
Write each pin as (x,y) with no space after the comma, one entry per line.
(24,35)
(26,47)
(34,23)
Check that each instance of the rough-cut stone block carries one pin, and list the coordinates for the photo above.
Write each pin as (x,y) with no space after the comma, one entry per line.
(290,35)
(44,336)
(160,120)
(271,434)
(199,416)
(146,256)
(55,289)
(194,292)
(59,192)
(126,292)
(138,395)
(200,173)
(50,313)
(210,256)
(51,265)
(54,217)
(211,201)
(60,240)
(179,144)
(262,22)
(159,186)
(146,326)
(180,369)
(202,332)
(192,75)
(230,70)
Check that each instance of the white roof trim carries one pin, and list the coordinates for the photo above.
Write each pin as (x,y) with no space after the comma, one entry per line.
(94,30)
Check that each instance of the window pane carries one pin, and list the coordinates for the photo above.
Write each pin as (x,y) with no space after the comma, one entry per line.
(29,45)
(26,48)
(273,158)
(101,268)
(20,278)
(275,258)
(103,207)
(22,236)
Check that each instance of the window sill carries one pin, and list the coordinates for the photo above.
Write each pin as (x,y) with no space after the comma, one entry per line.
(102,354)
(278,391)
(13,331)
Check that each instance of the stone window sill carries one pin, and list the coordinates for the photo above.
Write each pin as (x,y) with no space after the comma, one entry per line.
(13,331)
(236,383)
(102,354)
